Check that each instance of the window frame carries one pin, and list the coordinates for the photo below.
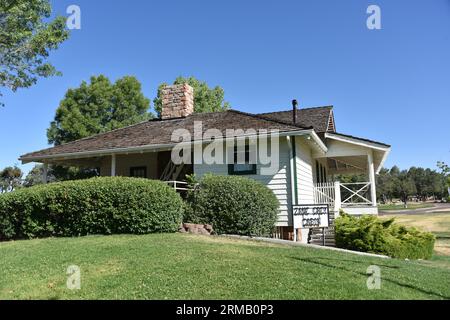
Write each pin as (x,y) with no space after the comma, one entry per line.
(144,168)
(232,167)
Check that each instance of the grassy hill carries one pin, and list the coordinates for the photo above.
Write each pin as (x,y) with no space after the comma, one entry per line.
(181,266)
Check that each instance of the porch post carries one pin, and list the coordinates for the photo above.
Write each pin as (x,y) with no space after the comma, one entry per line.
(45,173)
(337,197)
(113,165)
(371,168)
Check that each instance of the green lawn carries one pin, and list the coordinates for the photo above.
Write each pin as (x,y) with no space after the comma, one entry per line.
(181,266)
(411,206)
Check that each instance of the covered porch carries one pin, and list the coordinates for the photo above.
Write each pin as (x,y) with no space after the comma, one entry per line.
(149,164)
(349,156)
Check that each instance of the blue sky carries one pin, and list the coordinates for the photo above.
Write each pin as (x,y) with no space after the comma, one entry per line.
(390,85)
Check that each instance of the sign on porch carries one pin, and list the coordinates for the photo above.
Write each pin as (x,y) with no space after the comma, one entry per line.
(311,216)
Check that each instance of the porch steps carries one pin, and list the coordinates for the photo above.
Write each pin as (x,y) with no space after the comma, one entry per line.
(177,172)
(316,235)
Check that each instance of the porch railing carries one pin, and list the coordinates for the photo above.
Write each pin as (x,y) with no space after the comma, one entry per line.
(178,185)
(339,195)
(325,193)
(355,194)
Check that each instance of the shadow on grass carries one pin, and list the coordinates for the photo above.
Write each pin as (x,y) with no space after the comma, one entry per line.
(352,261)
(315,261)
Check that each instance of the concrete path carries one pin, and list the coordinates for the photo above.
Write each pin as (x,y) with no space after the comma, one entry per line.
(438,207)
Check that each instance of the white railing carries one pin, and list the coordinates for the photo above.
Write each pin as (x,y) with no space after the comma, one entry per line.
(179,185)
(325,193)
(339,195)
(354,194)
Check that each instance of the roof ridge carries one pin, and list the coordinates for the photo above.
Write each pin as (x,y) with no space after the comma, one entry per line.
(300,109)
(261,117)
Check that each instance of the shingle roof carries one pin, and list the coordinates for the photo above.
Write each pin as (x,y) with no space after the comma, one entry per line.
(318,117)
(159,132)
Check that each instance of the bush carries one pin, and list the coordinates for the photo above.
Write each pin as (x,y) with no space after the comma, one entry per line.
(372,234)
(110,205)
(233,205)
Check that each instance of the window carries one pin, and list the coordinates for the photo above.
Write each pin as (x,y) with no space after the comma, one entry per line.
(321,173)
(246,168)
(138,172)
(317,172)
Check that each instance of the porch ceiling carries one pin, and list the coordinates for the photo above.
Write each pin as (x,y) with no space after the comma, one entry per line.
(348,154)
(349,164)
(91,162)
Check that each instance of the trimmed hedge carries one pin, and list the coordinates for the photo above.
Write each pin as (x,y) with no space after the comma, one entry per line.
(372,234)
(108,205)
(233,205)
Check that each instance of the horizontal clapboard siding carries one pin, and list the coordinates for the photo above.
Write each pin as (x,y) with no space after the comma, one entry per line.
(305,183)
(279,183)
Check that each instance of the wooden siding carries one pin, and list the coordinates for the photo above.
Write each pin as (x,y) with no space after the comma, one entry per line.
(305,179)
(279,183)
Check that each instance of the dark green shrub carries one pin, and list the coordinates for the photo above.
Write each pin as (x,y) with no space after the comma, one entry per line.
(233,205)
(372,234)
(96,206)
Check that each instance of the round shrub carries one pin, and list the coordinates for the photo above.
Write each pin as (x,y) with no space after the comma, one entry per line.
(107,205)
(233,205)
(372,234)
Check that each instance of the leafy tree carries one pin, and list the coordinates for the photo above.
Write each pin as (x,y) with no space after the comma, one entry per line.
(35,176)
(57,173)
(428,183)
(351,178)
(385,186)
(404,186)
(98,106)
(445,169)
(26,38)
(206,99)
(395,171)
(10,179)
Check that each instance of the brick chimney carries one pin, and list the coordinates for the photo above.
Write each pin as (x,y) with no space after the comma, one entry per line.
(177,101)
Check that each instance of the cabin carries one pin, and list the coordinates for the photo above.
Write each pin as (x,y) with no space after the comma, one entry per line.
(297,153)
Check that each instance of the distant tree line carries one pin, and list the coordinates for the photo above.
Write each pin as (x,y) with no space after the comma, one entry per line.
(418,183)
